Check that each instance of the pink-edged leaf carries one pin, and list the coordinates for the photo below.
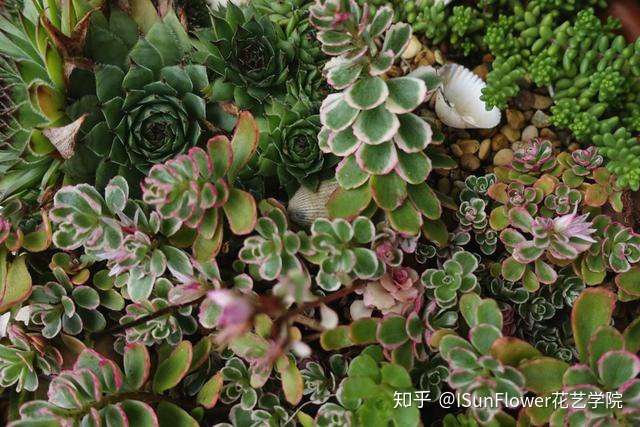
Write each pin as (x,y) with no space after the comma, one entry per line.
(377,159)
(139,414)
(173,369)
(592,309)
(137,364)
(241,211)
(243,143)
(210,391)
(171,415)
(221,155)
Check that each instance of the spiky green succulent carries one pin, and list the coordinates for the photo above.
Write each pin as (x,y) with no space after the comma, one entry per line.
(150,102)
(248,55)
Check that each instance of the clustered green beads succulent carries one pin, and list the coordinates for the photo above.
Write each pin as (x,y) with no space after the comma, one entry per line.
(369,123)
(149,105)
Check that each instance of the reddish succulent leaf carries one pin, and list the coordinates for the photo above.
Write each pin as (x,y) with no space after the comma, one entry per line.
(210,391)
(137,364)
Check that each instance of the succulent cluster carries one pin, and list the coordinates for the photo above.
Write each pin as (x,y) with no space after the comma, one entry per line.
(234,213)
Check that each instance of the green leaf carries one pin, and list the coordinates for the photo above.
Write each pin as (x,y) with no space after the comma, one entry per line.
(343,143)
(632,336)
(139,413)
(349,175)
(243,144)
(377,159)
(335,339)
(381,21)
(366,263)
(376,126)
(210,391)
(336,114)
(108,82)
(483,336)
(413,167)
(414,134)
(405,94)
(435,230)
(512,270)
(425,200)
(173,369)
(349,203)
(241,211)
(406,219)
(389,191)
(396,376)
(292,384)
(592,309)
(363,331)
(344,74)
(469,308)
(605,338)
(391,331)
(170,415)
(543,375)
(116,194)
(144,13)
(617,367)
(397,38)
(15,281)
(498,219)
(512,351)
(629,281)
(366,93)
(137,365)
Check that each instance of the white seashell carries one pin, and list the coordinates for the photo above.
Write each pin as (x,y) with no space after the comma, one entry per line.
(458,102)
(445,2)
(306,205)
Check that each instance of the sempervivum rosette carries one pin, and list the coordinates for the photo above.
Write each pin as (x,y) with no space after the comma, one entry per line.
(151,111)
(370,123)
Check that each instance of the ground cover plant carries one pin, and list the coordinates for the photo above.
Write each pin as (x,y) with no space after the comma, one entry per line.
(318,213)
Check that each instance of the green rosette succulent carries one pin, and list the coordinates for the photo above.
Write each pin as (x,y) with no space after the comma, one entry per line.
(289,145)
(23,357)
(148,109)
(370,124)
(247,53)
(273,252)
(456,277)
(338,247)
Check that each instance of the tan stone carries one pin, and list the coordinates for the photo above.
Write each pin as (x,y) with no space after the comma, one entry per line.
(515,118)
(573,147)
(425,57)
(547,133)
(468,146)
(512,134)
(503,157)
(469,162)
(541,102)
(481,71)
(412,49)
(485,148)
(498,142)
(456,150)
(529,133)
(540,119)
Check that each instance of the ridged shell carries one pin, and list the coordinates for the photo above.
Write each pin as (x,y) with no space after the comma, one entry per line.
(458,103)
(306,205)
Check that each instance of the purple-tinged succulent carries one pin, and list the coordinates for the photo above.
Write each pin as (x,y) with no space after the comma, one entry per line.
(564,237)
(472,214)
(585,161)
(394,292)
(535,157)
(194,189)
(621,247)
(563,200)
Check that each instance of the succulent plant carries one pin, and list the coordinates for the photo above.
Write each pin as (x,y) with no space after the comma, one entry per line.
(456,276)
(62,306)
(337,247)
(563,200)
(368,391)
(585,161)
(477,187)
(194,189)
(289,146)
(249,55)
(273,252)
(559,239)
(472,215)
(369,124)
(97,390)
(26,356)
(149,106)
(394,292)
(473,368)
(534,158)
(621,247)
(320,385)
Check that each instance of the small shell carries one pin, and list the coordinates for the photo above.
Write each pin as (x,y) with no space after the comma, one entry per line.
(306,205)
(458,102)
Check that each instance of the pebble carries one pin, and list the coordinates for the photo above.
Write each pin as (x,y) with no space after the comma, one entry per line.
(481,71)
(573,147)
(485,148)
(540,119)
(515,118)
(512,134)
(524,100)
(547,133)
(468,146)
(498,142)
(503,157)
(541,102)
(456,150)
(469,162)
(425,57)
(529,133)
(412,49)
